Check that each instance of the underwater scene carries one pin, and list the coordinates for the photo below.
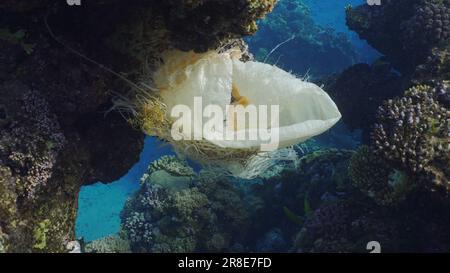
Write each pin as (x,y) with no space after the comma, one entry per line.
(225,126)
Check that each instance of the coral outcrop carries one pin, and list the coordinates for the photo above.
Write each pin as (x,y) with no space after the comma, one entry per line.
(413,36)
(56,132)
(404,30)
(429,26)
(340,228)
(203,24)
(435,68)
(109,244)
(31,139)
(208,215)
(172,165)
(412,132)
(377,179)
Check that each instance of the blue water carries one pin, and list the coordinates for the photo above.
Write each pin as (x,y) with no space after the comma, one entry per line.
(100,204)
(331,14)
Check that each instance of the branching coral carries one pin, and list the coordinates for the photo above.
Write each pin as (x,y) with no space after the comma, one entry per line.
(329,223)
(436,67)
(412,133)
(31,146)
(422,25)
(374,177)
(207,216)
(340,227)
(430,25)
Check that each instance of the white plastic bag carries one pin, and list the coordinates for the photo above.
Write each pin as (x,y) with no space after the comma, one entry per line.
(305,110)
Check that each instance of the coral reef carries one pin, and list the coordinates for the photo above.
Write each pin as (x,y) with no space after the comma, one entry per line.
(420,53)
(31,141)
(436,67)
(203,24)
(169,172)
(54,133)
(422,25)
(327,225)
(338,201)
(339,227)
(109,244)
(172,165)
(46,155)
(208,215)
(412,133)
(316,208)
(395,182)
(310,49)
(377,179)
(333,201)
(429,26)
(320,178)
